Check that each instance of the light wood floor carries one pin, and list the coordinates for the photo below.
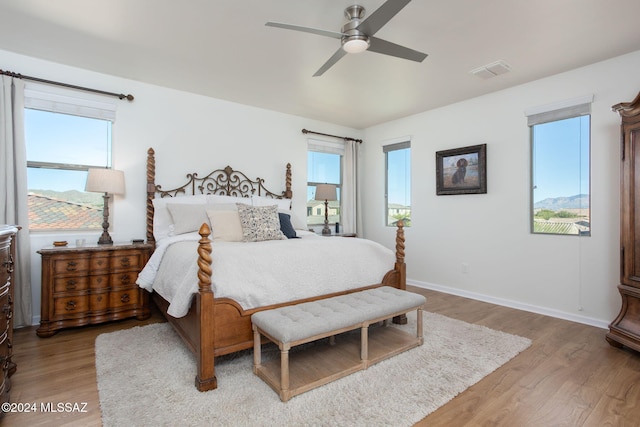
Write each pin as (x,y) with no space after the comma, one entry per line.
(570,376)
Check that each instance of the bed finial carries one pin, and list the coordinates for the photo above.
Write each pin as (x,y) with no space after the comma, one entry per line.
(204,258)
(288,193)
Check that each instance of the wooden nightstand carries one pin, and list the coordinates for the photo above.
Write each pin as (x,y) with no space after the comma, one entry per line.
(91,284)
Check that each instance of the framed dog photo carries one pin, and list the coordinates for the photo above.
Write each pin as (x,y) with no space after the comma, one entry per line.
(462,170)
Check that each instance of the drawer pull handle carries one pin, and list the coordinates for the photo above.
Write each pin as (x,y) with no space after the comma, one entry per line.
(125,298)
(7,309)
(9,264)
(71,266)
(71,305)
(71,284)
(125,279)
(124,262)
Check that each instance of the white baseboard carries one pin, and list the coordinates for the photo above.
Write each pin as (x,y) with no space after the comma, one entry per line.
(512,304)
(493,300)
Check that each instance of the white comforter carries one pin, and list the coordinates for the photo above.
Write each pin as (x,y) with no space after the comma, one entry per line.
(265,273)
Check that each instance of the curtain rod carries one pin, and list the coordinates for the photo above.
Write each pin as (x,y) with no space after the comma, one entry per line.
(346,138)
(51,82)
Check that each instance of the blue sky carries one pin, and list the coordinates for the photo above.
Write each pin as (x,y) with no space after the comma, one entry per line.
(561,158)
(325,168)
(87,141)
(322,168)
(399,177)
(83,140)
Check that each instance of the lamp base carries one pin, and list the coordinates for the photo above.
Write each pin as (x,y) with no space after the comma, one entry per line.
(105,239)
(326,230)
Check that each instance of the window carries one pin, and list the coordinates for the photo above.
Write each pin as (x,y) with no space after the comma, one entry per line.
(560,146)
(324,166)
(398,183)
(60,149)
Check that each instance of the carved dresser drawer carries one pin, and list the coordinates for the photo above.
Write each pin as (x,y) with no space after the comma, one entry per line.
(68,265)
(91,284)
(70,306)
(8,262)
(124,297)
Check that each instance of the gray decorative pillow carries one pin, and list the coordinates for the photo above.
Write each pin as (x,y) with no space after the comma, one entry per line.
(260,223)
(187,217)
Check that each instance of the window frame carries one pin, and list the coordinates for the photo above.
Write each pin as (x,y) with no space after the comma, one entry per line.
(327,147)
(400,144)
(569,109)
(60,101)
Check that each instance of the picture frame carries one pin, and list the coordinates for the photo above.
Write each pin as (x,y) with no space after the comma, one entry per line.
(462,170)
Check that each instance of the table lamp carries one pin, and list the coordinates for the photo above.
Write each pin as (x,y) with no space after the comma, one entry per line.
(107,181)
(326,192)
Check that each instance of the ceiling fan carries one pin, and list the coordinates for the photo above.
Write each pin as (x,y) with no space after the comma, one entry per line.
(357,34)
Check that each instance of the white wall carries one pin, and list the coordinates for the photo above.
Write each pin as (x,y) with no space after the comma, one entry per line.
(569,277)
(189,133)
(563,276)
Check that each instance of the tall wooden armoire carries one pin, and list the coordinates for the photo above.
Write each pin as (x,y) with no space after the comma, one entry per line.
(625,329)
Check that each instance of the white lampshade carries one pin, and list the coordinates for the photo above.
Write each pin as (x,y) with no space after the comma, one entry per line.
(105,181)
(326,192)
(356,45)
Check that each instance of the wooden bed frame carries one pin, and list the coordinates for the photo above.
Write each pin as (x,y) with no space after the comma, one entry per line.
(217,326)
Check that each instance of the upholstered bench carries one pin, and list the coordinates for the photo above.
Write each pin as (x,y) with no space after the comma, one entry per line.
(302,323)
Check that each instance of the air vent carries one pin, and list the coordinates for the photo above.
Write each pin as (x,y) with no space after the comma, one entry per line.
(491,70)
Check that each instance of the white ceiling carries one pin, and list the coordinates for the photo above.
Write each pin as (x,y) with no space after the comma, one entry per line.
(221,48)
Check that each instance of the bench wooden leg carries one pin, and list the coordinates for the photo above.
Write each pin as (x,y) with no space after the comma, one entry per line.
(284,373)
(257,350)
(419,332)
(364,346)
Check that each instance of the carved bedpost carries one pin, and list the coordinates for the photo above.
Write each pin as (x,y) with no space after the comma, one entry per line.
(288,193)
(400,267)
(400,243)
(206,377)
(151,191)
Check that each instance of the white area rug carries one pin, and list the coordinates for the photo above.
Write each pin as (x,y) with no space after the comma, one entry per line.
(146,378)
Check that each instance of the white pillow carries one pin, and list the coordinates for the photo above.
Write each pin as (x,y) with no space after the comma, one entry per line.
(187,217)
(225,224)
(214,199)
(260,223)
(162,220)
(284,206)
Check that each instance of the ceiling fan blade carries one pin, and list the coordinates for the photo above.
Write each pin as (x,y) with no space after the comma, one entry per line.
(317,31)
(381,16)
(387,48)
(335,58)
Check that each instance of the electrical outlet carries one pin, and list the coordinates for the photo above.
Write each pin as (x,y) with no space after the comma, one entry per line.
(464,267)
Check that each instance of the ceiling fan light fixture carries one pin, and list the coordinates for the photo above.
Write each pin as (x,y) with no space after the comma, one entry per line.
(355,44)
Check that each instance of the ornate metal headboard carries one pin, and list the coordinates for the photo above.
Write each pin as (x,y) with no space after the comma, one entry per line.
(226,182)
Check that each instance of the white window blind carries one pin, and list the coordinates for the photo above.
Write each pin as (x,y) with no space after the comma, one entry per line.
(57,103)
(326,146)
(559,111)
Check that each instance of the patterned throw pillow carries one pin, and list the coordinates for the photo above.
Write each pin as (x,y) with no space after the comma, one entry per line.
(260,223)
